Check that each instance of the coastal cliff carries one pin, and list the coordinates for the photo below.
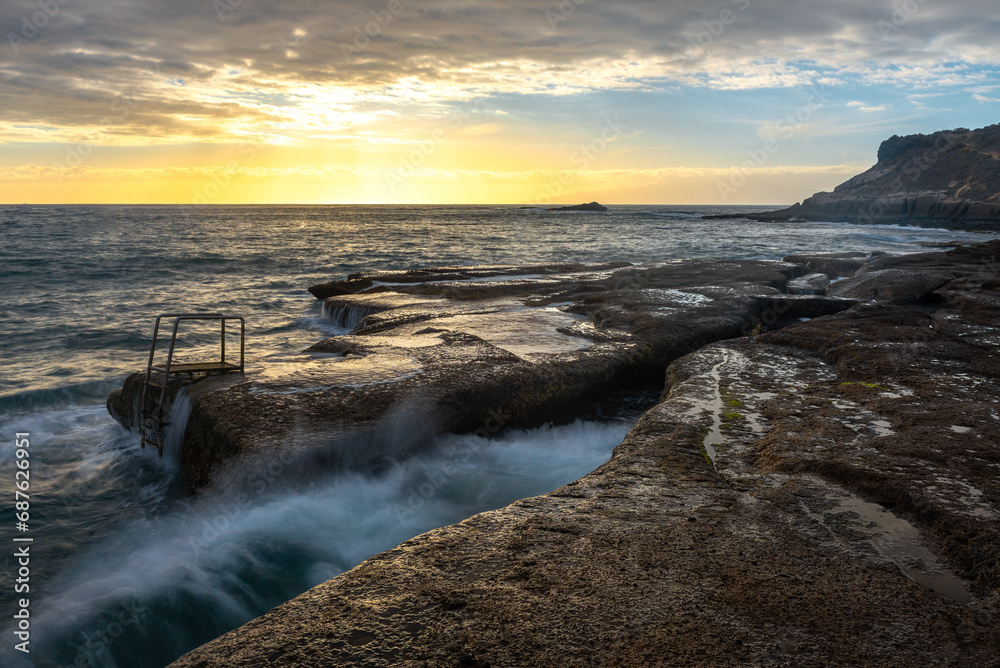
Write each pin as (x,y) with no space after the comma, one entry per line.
(945,179)
(820,493)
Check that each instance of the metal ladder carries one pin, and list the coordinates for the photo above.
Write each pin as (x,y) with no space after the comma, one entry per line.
(153,414)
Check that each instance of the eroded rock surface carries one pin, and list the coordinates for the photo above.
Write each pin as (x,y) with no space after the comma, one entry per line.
(825,493)
(443,350)
(367,279)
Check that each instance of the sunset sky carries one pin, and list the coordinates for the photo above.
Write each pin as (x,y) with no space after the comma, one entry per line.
(451,101)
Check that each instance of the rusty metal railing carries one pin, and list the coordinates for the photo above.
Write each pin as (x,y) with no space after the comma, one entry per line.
(152,420)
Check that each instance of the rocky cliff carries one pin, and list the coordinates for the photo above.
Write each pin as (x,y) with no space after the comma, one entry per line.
(945,179)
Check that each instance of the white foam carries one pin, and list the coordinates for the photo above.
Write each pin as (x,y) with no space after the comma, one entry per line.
(226,553)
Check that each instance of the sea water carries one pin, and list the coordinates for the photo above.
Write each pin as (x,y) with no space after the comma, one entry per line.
(126,568)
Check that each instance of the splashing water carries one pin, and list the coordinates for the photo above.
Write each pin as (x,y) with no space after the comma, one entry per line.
(180,571)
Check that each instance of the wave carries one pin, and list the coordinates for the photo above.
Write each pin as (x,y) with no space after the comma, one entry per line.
(347,318)
(679,215)
(102,339)
(664,215)
(72,394)
(889,226)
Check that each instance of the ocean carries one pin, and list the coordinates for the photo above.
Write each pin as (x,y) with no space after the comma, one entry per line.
(126,568)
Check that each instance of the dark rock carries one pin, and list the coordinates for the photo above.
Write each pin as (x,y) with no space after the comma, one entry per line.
(364,280)
(779,310)
(349,310)
(592,206)
(916,277)
(833,265)
(937,244)
(895,285)
(810,284)
(949,178)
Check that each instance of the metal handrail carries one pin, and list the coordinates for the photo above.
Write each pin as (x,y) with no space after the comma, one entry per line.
(178,318)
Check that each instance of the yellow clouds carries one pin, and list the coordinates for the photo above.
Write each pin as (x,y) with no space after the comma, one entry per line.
(478,130)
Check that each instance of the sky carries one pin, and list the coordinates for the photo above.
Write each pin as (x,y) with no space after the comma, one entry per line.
(453,101)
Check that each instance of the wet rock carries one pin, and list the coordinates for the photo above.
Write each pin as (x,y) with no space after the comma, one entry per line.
(123,404)
(810,284)
(347,311)
(445,355)
(365,280)
(897,285)
(917,277)
(832,265)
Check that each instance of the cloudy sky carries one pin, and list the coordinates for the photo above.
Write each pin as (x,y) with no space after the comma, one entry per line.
(635,101)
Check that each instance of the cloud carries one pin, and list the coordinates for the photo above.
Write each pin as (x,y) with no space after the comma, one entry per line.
(861,106)
(300,69)
(918,99)
(984,98)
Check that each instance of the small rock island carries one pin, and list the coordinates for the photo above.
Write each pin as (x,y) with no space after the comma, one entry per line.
(592,206)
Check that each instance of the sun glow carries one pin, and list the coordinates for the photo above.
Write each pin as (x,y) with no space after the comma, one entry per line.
(501,104)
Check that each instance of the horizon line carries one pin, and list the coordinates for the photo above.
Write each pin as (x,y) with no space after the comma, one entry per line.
(527,205)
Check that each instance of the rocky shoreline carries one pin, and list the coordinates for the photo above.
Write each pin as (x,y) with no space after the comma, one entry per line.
(819,483)
(441,350)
